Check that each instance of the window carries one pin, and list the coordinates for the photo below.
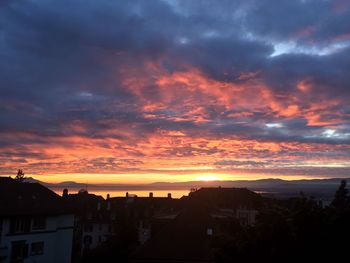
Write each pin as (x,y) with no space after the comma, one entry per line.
(87,241)
(0,229)
(39,223)
(37,248)
(209,231)
(20,225)
(89,216)
(88,227)
(19,251)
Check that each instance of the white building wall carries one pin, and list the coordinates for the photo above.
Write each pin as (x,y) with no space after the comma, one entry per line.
(57,238)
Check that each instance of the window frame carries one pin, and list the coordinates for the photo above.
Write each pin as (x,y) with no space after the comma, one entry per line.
(40,219)
(37,252)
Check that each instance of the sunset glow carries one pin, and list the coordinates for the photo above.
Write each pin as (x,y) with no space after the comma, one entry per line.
(140,92)
(207,178)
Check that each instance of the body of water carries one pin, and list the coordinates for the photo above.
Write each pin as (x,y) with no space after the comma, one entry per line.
(175,193)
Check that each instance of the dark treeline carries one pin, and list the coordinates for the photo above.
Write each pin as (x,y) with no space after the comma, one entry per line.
(293,230)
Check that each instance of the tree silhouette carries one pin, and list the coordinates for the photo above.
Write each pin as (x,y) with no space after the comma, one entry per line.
(341,196)
(20,176)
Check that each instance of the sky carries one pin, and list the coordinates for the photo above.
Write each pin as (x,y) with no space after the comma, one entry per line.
(162,90)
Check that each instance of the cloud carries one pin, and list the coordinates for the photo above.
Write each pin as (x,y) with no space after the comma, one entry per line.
(143,85)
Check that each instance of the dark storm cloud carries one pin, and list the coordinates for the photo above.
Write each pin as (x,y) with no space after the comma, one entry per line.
(224,57)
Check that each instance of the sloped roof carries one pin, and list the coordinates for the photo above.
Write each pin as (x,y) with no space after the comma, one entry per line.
(228,197)
(90,207)
(20,198)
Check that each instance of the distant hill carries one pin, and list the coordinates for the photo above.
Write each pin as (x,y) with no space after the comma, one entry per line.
(277,187)
(261,184)
(68,184)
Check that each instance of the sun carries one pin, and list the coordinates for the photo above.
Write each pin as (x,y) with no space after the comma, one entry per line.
(207,178)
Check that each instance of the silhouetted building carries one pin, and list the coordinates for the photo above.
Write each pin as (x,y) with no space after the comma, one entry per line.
(187,236)
(35,225)
(184,239)
(95,220)
(140,212)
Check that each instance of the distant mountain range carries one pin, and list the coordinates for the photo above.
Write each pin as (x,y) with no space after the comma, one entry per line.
(324,188)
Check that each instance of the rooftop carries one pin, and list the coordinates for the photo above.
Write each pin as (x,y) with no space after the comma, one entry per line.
(21,198)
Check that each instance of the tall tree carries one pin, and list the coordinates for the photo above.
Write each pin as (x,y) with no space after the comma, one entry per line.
(20,176)
(341,196)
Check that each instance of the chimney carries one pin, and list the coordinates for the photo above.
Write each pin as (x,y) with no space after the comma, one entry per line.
(150,195)
(169,195)
(65,192)
(127,195)
(108,196)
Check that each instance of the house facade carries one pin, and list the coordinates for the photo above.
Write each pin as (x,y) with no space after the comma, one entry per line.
(35,226)
(36,239)
(94,222)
